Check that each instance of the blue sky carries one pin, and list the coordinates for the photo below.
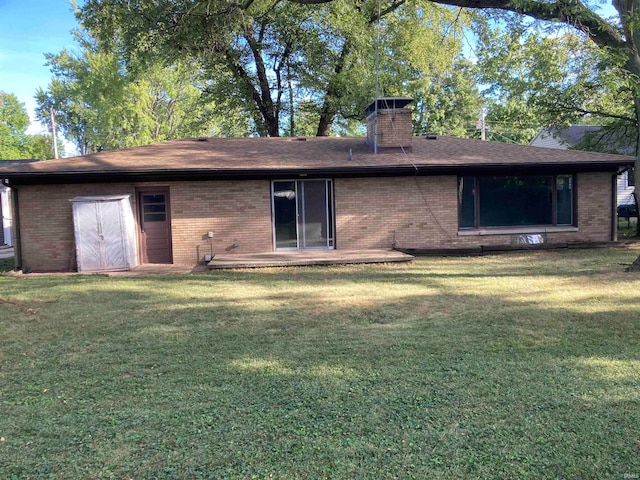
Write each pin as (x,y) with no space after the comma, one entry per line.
(28,30)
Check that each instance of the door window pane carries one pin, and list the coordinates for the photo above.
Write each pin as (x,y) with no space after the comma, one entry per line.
(285,214)
(314,214)
(154,208)
(303,214)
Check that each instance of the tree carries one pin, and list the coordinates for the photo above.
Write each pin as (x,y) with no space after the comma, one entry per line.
(619,36)
(277,59)
(15,143)
(396,48)
(13,125)
(101,105)
(533,80)
(450,104)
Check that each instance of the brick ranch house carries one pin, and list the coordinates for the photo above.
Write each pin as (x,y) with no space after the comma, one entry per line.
(183,201)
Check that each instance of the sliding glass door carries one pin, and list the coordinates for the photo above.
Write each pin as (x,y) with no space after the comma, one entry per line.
(302,214)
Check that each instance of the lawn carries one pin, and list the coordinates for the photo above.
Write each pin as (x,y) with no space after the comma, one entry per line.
(521,365)
(628,229)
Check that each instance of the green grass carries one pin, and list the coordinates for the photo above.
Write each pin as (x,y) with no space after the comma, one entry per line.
(627,229)
(522,365)
(6,264)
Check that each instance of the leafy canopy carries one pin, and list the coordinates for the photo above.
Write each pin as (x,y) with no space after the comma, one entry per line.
(15,143)
(282,63)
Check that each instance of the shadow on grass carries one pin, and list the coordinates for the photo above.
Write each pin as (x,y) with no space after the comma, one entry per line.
(7,264)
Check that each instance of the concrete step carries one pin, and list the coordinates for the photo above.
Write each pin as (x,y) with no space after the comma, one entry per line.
(306,257)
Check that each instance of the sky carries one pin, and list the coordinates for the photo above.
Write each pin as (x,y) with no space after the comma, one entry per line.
(28,30)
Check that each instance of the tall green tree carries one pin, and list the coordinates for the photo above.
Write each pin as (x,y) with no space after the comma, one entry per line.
(100,104)
(15,143)
(450,104)
(533,80)
(281,58)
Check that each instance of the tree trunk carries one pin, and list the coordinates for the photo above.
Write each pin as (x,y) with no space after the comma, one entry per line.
(633,66)
(635,266)
(292,110)
(270,111)
(266,117)
(327,114)
(328,111)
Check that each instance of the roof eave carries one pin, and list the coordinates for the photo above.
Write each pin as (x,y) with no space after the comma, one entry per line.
(119,176)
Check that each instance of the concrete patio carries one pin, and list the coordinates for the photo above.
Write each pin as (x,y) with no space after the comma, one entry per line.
(253,260)
(306,257)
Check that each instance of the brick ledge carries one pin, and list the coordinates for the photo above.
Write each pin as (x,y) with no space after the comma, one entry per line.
(516,231)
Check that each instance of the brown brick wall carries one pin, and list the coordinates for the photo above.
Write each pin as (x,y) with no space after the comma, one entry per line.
(410,211)
(46,223)
(421,212)
(594,206)
(236,212)
(407,212)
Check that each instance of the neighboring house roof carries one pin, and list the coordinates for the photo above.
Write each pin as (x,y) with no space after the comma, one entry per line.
(570,137)
(565,137)
(216,158)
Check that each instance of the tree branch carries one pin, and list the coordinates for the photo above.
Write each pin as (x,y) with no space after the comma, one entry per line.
(390,9)
(269,113)
(599,113)
(571,12)
(247,84)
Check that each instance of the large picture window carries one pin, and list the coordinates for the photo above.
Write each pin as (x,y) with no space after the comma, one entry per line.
(510,201)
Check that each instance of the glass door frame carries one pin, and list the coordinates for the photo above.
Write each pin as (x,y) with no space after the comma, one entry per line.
(329,209)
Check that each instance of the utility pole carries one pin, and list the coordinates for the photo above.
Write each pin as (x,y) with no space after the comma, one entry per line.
(53,133)
(483,124)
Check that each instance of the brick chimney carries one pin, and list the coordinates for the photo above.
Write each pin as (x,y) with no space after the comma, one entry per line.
(389,124)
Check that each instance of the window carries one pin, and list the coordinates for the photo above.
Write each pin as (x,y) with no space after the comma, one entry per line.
(631,177)
(154,208)
(508,201)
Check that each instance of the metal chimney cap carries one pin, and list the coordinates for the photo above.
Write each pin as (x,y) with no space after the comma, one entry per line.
(388,103)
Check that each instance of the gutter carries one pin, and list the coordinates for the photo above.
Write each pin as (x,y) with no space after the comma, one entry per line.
(17,246)
(352,171)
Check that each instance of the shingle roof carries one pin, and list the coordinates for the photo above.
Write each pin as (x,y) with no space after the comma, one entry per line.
(219,157)
(572,135)
(612,140)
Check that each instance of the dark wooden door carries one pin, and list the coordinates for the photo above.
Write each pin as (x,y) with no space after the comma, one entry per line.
(155,225)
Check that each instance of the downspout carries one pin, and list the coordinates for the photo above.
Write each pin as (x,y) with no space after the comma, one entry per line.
(614,206)
(15,211)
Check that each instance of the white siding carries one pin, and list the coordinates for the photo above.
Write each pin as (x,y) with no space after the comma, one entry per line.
(6,222)
(625,193)
(547,140)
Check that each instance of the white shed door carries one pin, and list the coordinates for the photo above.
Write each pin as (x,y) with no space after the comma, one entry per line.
(99,237)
